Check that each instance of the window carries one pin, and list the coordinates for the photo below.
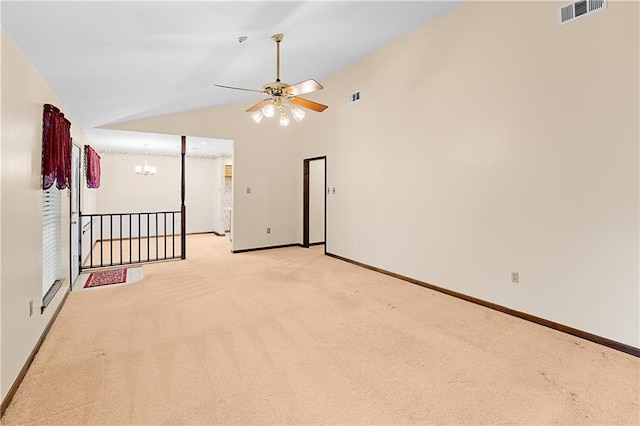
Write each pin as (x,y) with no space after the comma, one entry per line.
(51,238)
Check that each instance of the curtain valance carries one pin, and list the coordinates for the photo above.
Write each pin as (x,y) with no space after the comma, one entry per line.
(92,167)
(56,148)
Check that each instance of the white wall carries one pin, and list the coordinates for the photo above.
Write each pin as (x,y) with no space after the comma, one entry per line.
(23,95)
(316,201)
(123,191)
(517,150)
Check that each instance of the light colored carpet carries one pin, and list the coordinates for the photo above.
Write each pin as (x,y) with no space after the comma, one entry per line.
(290,336)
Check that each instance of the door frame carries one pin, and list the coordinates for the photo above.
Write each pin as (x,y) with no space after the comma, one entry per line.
(75,263)
(305,201)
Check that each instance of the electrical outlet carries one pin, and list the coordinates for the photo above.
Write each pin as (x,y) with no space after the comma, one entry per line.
(334,189)
(268,230)
(515,277)
(30,307)
(248,190)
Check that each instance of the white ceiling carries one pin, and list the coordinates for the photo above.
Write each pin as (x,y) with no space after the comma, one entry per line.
(114,61)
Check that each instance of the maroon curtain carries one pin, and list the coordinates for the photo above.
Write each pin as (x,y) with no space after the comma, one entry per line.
(56,148)
(92,167)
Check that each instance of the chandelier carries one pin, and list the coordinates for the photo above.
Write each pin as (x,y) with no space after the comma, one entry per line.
(145,170)
(282,106)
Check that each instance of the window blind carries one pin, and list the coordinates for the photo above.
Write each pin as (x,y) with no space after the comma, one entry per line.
(51,237)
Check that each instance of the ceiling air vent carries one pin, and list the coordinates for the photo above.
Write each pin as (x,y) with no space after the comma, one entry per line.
(573,11)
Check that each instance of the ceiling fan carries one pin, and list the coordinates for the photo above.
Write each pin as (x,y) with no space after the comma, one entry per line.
(283,98)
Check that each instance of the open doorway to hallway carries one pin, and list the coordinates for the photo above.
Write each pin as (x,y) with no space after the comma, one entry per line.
(314,204)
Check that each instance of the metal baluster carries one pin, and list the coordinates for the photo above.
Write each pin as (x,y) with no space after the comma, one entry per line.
(121,238)
(157,236)
(173,233)
(130,242)
(148,241)
(101,242)
(91,241)
(110,240)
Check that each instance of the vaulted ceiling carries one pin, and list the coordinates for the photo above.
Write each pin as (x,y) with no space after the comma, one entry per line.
(115,61)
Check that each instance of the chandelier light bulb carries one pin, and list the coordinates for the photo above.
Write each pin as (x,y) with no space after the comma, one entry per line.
(145,170)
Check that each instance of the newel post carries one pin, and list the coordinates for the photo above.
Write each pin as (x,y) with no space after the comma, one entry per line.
(183,209)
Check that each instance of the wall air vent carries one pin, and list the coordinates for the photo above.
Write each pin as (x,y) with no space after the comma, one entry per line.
(578,9)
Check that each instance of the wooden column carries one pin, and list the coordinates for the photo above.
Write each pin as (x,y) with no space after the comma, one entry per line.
(183,208)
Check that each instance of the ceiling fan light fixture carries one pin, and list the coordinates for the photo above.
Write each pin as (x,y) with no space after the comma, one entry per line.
(297,113)
(268,110)
(257,116)
(281,96)
(284,119)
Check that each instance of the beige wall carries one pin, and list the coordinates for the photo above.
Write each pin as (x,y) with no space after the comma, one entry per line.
(516,148)
(122,190)
(492,139)
(266,158)
(23,95)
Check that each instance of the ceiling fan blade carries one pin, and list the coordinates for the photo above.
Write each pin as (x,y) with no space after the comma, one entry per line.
(305,103)
(303,87)
(240,88)
(260,105)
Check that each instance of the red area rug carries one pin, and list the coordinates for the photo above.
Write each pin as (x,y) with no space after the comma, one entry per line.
(116,276)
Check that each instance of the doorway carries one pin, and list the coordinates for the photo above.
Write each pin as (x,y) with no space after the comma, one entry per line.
(314,230)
